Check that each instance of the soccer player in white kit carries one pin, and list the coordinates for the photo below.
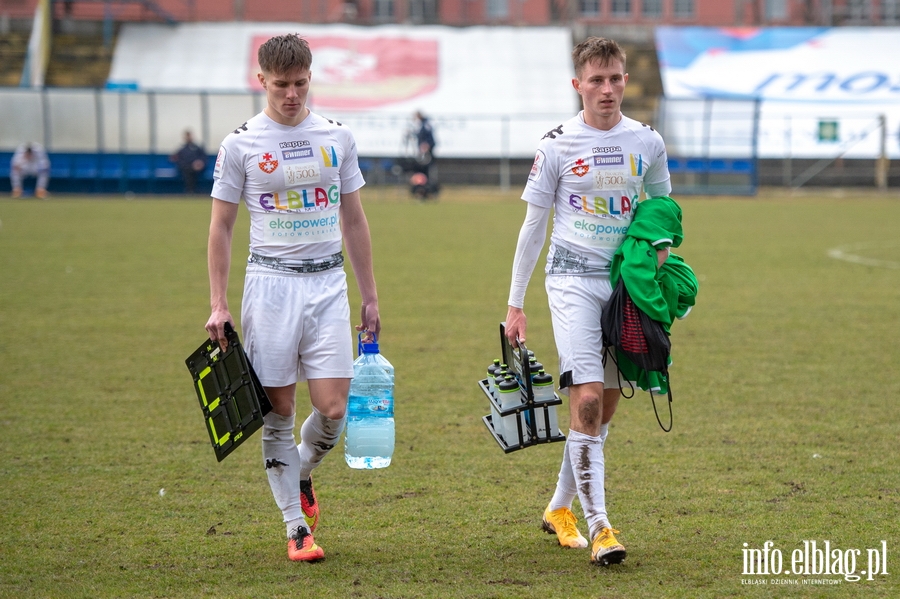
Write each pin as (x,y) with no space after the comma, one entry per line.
(299,177)
(590,171)
(29,160)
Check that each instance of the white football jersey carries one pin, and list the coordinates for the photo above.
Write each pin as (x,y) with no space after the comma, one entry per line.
(593,180)
(291,179)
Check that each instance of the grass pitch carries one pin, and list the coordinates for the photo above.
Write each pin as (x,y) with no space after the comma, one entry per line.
(785,382)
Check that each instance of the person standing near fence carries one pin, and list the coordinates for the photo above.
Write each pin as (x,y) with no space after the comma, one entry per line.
(299,176)
(422,181)
(29,161)
(590,171)
(191,160)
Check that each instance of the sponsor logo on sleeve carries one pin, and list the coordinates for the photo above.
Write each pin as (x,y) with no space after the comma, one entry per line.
(537,166)
(220,162)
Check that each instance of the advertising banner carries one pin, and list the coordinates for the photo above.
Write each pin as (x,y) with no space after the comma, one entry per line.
(490,91)
(809,80)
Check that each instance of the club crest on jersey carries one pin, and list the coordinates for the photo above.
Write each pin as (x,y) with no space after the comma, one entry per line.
(268,163)
(580,168)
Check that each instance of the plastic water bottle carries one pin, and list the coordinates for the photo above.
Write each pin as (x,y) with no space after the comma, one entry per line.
(542,385)
(534,366)
(491,373)
(369,441)
(499,377)
(510,396)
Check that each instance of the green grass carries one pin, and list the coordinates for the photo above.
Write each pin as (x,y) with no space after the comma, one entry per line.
(786,427)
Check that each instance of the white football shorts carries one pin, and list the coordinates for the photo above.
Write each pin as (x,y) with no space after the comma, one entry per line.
(575,307)
(296,325)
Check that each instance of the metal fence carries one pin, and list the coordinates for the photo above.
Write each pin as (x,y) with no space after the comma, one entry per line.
(714,146)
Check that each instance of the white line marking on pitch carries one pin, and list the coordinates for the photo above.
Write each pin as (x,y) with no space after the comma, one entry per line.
(848,253)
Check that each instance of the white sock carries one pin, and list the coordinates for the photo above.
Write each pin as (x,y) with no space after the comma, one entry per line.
(318,436)
(604,430)
(586,454)
(566,490)
(282,462)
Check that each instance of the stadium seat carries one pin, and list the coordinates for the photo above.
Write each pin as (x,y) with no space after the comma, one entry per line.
(111,166)
(137,166)
(163,168)
(5,158)
(84,166)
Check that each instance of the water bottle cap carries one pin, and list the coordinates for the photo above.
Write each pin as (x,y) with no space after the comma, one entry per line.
(367,348)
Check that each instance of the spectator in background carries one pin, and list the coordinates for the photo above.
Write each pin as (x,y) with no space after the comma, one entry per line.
(191,160)
(30,161)
(422,182)
(424,134)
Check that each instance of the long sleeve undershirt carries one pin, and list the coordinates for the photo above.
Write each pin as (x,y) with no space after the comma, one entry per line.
(528,250)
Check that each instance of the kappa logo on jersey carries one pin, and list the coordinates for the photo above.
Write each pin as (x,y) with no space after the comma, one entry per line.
(293,144)
(613,160)
(268,163)
(329,156)
(637,164)
(241,128)
(553,133)
(606,150)
(580,168)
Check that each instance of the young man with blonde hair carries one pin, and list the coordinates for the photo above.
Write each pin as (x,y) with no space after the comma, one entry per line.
(299,177)
(590,171)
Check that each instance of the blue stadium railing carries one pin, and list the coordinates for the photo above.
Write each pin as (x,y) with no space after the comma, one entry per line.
(74,172)
(710,176)
(112,173)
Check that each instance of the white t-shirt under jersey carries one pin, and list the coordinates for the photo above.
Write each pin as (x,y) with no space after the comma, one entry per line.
(291,179)
(593,181)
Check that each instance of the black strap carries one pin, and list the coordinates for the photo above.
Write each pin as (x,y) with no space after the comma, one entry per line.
(653,401)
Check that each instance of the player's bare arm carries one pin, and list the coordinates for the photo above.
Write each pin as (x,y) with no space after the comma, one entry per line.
(528,249)
(358,241)
(221,229)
